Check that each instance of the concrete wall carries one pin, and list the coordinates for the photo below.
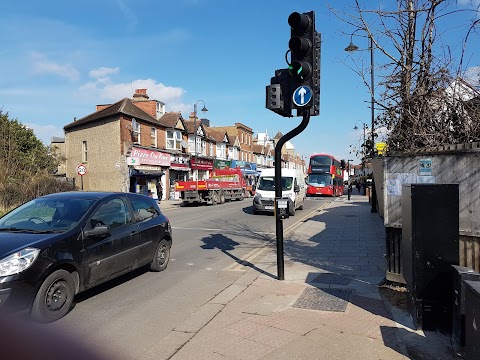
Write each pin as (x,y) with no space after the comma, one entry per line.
(106,166)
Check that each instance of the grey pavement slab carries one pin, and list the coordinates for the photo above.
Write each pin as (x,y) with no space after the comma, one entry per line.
(340,252)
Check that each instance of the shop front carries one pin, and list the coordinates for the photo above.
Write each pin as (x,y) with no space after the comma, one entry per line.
(222,164)
(201,168)
(148,172)
(249,171)
(179,170)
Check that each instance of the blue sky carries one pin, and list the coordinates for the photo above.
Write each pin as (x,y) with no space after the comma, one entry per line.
(60,58)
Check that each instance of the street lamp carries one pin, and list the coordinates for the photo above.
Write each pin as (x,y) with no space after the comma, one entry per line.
(351,48)
(364,145)
(204,110)
(349,184)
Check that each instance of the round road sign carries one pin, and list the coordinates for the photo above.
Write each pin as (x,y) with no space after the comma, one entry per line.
(81,170)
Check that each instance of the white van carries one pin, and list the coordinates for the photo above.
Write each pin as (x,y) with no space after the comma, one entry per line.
(293,187)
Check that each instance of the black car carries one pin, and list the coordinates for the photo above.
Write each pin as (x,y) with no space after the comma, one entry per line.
(58,245)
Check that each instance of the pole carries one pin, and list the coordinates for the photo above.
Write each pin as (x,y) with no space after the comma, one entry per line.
(195,139)
(348,179)
(364,149)
(278,189)
(372,83)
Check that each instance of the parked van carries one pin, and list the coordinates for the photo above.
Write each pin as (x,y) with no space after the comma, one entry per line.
(293,187)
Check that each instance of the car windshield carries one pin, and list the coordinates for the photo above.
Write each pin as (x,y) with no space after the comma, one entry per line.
(267,183)
(46,215)
(319,179)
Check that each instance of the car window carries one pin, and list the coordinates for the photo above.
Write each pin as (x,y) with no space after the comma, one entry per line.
(143,208)
(47,214)
(114,213)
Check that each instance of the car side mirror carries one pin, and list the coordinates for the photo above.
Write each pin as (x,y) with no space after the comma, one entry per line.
(296,188)
(98,231)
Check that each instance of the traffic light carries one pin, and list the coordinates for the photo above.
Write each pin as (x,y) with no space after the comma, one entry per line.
(279,95)
(304,64)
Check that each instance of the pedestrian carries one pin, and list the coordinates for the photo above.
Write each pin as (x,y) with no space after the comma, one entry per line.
(160,191)
(359,186)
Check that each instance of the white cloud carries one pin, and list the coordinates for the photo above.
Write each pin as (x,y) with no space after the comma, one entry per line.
(42,65)
(472,75)
(102,72)
(157,91)
(45,132)
(104,89)
(128,13)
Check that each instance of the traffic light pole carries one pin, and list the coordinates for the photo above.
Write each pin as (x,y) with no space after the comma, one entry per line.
(278,189)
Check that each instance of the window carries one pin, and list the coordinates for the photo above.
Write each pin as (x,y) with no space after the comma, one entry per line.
(221,151)
(241,138)
(84,152)
(113,213)
(174,140)
(136,132)
(211,149)
(153,137)
(143,209)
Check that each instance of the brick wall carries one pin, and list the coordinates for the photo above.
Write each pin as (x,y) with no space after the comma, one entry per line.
(106,166)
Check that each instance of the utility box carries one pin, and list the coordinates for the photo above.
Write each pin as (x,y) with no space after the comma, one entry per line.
(472,320)
(429,248)
(460,274)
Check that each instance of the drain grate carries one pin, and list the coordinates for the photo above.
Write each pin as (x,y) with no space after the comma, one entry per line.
(324,299)
(332,279)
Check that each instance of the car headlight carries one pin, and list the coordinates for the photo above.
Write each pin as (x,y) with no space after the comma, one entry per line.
(18,262)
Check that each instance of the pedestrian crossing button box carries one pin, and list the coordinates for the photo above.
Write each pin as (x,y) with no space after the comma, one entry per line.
(281,208)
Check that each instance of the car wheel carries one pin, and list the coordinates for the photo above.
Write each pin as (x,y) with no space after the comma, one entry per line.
(161,256)
(222,198)
(54,298)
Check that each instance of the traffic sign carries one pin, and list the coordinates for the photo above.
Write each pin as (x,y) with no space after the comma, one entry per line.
(302,95)
(81,170)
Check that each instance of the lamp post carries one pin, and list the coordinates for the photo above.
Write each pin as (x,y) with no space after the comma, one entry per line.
(350,49)
(349,183)
(364,145)
(204,110)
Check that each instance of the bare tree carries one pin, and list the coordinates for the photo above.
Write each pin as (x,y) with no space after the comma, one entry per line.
(424,101)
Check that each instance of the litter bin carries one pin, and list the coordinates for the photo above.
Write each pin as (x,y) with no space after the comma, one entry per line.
(460,274)
(472,319)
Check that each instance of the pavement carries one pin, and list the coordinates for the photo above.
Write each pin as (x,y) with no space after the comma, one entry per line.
(332,304)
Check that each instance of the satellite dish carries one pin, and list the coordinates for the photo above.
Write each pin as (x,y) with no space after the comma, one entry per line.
(184,144)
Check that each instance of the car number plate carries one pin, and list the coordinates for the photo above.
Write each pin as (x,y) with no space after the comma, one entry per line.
(268,207)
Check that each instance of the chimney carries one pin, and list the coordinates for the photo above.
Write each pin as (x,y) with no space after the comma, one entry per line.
(140,95)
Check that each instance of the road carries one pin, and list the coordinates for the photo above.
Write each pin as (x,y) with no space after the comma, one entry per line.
(211,247)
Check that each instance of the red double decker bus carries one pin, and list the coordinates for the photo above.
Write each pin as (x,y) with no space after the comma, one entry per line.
(325,176)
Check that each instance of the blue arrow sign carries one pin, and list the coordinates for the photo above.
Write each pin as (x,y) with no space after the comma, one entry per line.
(302,95)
